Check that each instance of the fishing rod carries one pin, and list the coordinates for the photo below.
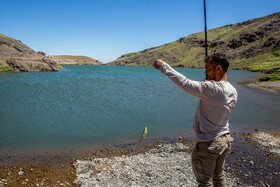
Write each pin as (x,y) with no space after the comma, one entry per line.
(205,29)
(205,33)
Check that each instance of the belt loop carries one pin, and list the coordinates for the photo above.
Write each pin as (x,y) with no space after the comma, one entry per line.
(224,135)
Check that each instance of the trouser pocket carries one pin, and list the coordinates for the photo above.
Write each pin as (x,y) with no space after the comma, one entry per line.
(217,146)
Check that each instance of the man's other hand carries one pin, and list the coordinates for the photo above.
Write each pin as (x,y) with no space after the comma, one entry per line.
(158,63)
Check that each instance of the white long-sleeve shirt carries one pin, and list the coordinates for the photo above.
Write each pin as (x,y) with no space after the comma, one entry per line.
(216,101)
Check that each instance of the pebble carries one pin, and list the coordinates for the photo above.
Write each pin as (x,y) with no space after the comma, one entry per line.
(245,175)
(251,163)
(20,173)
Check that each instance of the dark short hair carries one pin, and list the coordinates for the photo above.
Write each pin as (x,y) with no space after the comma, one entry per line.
(218,59)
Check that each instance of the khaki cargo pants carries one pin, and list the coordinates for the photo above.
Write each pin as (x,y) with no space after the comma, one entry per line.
(208,160)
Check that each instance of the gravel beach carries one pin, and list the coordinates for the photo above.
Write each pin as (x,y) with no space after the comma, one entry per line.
(253,161)
(164,165)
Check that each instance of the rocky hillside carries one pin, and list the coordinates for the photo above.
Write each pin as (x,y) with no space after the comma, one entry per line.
(77,60)
(16,56)
(248,45)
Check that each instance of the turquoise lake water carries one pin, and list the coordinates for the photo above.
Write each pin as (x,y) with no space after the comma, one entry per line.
(95,105)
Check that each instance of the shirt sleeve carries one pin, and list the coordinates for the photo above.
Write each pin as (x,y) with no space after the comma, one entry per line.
(200,89)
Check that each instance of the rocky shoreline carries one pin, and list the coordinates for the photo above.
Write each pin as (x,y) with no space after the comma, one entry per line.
(169,164)
(253,161)
(39,64)
(163,165)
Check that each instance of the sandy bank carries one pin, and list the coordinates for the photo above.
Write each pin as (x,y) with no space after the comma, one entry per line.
(253,161)
(273,87)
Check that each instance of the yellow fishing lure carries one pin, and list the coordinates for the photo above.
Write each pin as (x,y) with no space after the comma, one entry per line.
(144,134)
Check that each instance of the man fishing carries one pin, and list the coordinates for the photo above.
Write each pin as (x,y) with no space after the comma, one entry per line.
(217,98)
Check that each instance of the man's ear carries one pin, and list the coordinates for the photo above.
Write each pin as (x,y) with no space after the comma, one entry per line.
(219,68)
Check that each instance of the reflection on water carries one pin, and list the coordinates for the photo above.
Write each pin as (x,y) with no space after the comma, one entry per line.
(91,105)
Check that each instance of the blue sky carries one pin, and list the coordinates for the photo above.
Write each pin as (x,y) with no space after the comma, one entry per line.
(106,29)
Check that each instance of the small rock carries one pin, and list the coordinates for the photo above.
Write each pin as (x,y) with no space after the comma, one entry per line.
(245,175)
(20,173)
(251,163)
(239,183)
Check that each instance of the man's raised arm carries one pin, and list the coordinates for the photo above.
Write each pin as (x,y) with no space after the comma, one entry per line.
(195,88)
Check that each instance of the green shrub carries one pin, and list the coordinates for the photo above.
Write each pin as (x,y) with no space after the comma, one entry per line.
(272,77)
(60,67)
(6,69)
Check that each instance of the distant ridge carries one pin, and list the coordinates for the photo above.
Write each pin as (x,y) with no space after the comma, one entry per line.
(77,60)
(248,45)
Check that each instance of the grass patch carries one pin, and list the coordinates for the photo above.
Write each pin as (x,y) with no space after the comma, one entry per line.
(268,65)
(190,57)
(258,63)
(272,77)
(6,69)
(60,68)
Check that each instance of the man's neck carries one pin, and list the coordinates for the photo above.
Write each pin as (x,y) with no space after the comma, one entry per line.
(222,78)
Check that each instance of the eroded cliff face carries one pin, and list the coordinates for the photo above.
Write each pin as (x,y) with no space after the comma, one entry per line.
(16,56)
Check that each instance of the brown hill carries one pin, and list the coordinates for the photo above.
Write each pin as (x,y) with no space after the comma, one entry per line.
(77,60)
